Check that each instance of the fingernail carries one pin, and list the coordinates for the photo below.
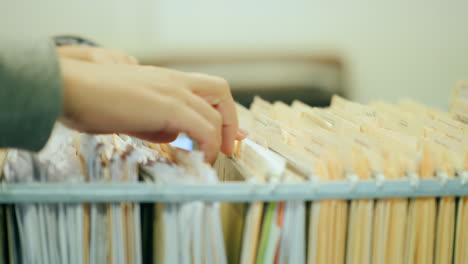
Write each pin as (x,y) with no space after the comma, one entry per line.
(242,132)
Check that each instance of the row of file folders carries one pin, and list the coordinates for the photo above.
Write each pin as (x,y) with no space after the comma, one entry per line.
(294,143)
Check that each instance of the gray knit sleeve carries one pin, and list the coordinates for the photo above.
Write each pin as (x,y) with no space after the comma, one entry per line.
(30,91)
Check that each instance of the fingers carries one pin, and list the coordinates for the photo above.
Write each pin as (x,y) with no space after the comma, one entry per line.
(216,92)
(197,128)
(205,127)
(205,109)
(199,105)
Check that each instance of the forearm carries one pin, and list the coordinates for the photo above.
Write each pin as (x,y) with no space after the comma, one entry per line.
(30,91)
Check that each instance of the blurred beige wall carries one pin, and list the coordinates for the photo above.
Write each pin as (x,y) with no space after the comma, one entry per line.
(391,49)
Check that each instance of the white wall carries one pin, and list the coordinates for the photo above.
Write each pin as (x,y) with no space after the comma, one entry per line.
(392,49)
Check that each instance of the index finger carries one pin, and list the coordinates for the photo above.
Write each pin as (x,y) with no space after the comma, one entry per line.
(230,125)
(197,128)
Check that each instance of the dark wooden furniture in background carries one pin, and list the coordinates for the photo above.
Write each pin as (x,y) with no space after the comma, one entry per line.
(312,79)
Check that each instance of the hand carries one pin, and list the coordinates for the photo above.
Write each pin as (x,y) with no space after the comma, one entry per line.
(151,103)
(96,55)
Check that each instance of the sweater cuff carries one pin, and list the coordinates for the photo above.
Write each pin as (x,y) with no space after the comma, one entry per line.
(30,92)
